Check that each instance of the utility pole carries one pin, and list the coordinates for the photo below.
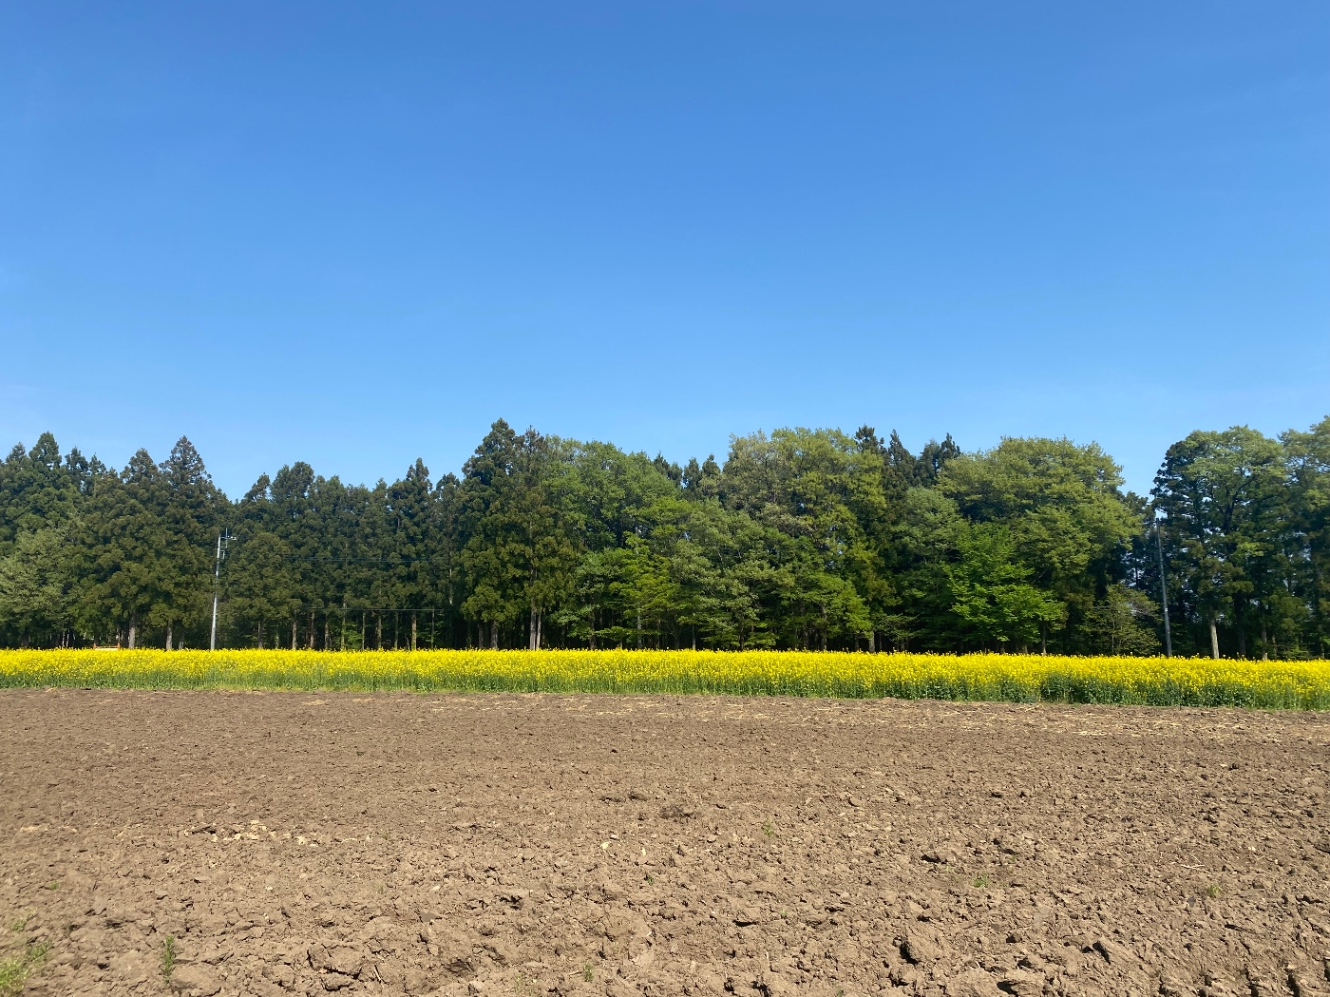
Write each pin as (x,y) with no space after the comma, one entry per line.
(1163,591)
(222,539)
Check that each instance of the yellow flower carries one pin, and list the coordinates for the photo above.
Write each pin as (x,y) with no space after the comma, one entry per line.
(1016,677)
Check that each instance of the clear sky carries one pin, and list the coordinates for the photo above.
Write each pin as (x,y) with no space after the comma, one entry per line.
(357,234)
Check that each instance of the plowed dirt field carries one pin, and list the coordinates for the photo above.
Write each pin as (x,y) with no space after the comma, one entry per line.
(528,845)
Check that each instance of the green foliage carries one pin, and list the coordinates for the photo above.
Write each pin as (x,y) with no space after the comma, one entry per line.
(990,591)
(1125,622)
(15,970)
(1061,508)
(803,538)
(36,584)
(168,958)
(1226,508)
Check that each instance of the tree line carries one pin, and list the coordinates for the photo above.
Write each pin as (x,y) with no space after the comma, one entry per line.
(800,539)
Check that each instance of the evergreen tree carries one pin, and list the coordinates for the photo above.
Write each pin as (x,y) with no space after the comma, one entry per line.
(519,554)
(1306,554)
(36,588)
(37,489)
(1223,498)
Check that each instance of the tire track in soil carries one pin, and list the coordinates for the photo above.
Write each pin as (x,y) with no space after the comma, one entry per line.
(501,844)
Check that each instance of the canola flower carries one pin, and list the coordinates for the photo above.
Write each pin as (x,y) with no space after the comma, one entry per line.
(1023,678)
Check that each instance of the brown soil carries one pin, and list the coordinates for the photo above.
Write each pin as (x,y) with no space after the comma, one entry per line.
(497,844)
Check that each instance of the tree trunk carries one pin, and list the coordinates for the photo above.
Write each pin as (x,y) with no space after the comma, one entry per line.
(413,631)
(1214,639)
(133,633)
(1265,642)
(540,630)
(494,635)
(378,631)
(293,633)
(169,642)
(325,631)
(259,631)
(872,642)
(309,640)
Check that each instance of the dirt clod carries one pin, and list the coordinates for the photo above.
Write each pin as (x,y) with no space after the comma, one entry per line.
(195,981)
(921,946)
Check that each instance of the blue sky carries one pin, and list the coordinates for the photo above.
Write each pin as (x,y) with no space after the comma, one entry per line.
(357,234)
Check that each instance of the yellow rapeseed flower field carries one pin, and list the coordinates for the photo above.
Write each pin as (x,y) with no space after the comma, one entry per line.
(1011,677)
